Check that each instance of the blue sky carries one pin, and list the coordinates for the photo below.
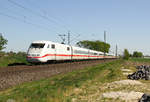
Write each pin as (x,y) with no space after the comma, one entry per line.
(127,22)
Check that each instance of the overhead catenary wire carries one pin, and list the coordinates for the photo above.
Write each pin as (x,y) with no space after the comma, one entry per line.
(56,19)
(21,20)
(14,12)
(75,38)
(33,12)
(25,17)
(38,14)
(66,26)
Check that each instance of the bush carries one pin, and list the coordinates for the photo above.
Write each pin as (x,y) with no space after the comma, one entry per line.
(137,54)
(3,42)
(2,54)
(126,54)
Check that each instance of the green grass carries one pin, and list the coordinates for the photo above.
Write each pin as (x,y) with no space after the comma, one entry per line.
(60,88)
(12,59)
(139,60)
(56,89)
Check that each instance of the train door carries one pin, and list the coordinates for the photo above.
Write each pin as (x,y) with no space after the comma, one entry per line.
(71,52)
(59,52)
(88,54)
(53,52)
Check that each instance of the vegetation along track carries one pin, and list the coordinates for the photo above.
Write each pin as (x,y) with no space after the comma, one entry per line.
(14,75)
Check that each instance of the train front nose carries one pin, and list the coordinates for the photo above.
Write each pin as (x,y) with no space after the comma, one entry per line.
(34,52)
(33,57)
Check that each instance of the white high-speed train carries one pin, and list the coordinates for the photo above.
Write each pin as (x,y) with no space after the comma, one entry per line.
(44,51)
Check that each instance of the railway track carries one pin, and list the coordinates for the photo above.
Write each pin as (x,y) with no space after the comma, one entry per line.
(14,75)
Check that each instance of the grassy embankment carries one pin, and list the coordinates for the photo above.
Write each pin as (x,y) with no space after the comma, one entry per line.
(140,60)
(12,59)
(60,88)
(78,86)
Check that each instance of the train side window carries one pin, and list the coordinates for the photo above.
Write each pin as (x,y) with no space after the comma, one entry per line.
(53,46)
(68,48)
(95,53)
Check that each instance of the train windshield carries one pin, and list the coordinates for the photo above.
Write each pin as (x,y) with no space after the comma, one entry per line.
(37,45)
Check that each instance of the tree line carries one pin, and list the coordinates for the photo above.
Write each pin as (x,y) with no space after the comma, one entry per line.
(136,54)
(94,45)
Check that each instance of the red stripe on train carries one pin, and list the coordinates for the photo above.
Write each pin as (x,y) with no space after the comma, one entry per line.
(64,55)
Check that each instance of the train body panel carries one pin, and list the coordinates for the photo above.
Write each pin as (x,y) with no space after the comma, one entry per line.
(95,54)
(63,52)
(43,51)
(79,53)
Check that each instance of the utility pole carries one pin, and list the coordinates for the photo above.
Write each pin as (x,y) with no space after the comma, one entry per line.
(62,36)
(116,51)
(104,44)
(68,37)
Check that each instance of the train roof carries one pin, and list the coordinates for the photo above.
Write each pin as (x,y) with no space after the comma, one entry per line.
(45,41)
(42,41)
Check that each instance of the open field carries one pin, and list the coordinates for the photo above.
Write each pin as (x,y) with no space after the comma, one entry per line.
(12,59)
(105,82)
